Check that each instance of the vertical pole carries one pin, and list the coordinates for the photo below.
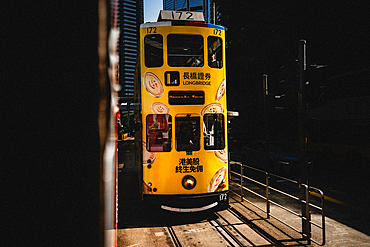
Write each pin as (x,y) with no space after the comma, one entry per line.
(213,13)
(306,227)
(265,119)
(241,182)
(265,93)
(267,196)
(308,215)
(128,117)
(265,87)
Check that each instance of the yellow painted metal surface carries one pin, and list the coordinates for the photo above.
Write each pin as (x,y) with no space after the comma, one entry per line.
(165,171)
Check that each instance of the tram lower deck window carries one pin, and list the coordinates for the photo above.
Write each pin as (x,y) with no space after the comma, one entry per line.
(187,133)
(185,50)
(159,132)
(213,131)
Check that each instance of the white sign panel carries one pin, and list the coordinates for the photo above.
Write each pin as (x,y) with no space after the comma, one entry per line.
(180,15)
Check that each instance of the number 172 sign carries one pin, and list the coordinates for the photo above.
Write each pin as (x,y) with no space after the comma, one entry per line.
(181,15)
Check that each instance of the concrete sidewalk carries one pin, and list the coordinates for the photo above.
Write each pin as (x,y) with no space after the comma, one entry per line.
(337,233)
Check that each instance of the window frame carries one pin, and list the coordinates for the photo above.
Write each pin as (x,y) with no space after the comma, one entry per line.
(155,136)
(169,54)
(219,143)
(181,119)
(146,53)
(218,51)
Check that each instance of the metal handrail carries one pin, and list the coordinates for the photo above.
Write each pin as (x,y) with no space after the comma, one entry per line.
(308,190)
(322,215)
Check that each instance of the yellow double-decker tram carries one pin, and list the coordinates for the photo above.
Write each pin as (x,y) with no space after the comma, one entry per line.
(183,112)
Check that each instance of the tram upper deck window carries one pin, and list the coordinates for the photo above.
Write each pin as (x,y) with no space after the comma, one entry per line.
(153,46)
(185,50)
(159,132)
(213,131)
(187,133)
(214,52)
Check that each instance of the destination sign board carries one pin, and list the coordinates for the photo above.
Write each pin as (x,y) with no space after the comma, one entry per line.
(186,97)
(168,15)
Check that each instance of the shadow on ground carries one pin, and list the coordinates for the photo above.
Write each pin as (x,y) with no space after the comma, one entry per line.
(133,212)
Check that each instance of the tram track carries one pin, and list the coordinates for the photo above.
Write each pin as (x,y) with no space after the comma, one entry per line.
(173,236)
(217,224)
(232,227)
(255,228)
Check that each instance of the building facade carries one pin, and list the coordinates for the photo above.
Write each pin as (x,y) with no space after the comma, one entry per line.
(189,5)
(132,15)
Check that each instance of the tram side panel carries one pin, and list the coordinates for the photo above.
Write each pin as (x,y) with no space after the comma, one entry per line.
(184,114)
(138,123)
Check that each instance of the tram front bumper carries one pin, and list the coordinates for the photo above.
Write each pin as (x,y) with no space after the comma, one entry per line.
(190,203)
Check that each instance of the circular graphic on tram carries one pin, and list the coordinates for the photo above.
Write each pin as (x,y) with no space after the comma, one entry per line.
(221,90)
(221,155)
(153,84)
(212,108)
(159,108)
(217,179)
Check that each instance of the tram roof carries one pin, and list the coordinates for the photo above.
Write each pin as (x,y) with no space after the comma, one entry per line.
(181,23)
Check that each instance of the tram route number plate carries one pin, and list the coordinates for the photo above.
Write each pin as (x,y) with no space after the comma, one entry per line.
(223,197)
(181,15)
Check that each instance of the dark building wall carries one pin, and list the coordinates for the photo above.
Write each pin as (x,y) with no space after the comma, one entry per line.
(50,141)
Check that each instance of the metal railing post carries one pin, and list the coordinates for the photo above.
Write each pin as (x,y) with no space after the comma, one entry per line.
(267,196)
(308,217)
(303,200)
(241,182)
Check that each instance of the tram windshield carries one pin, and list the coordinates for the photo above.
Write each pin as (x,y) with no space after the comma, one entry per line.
(159,129)
(153,50)
(213,131)
(214,52)
(187,133)
(185,50)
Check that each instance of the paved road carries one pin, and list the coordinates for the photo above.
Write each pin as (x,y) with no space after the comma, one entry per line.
(344,226)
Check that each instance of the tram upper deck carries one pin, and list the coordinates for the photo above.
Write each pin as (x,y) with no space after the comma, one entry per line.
(184,56)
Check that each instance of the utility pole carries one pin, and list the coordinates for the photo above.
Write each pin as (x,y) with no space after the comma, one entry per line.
(265,95)
(265,132)
(213,13)
(302,130)
(128,118)
(266,106)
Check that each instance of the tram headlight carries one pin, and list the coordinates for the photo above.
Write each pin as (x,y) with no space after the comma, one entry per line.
(189,182)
